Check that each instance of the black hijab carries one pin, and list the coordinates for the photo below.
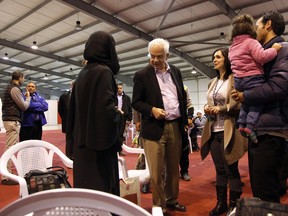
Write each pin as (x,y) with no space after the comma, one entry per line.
(100,48)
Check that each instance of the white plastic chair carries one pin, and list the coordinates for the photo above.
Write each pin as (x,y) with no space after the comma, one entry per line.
(73,201)
(28,155)
(144,175)
(189,139)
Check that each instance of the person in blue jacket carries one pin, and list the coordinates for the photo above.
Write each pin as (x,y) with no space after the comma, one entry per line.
(33,117)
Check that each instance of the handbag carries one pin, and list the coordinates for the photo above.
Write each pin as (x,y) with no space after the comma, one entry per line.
(54,177)
(257,207)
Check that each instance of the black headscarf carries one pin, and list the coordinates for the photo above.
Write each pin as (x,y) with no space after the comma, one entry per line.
(100,48)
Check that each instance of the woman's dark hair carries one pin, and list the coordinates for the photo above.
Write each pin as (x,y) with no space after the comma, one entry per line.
(227,63)
(277,21)
(243,24)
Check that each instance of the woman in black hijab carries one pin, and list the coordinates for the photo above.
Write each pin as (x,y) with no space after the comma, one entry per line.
(94,120)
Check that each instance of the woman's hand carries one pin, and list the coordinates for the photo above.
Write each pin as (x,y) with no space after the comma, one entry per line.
(211,110)
(215,110)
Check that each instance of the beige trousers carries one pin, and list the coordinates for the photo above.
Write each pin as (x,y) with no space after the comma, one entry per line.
(12,137)
(163,158)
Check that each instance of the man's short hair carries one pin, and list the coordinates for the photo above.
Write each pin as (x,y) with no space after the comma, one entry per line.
(277,21)
(159,41)
(16,75)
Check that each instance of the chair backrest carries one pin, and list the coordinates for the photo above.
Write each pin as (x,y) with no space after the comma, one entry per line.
(123,172)
(28,155)
(73,201)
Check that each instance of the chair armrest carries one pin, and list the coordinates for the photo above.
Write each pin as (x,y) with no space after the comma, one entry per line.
(133,150)
(23,192)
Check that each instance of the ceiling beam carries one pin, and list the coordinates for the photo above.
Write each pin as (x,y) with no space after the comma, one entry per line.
(93,11)
(164,17)
(44,92)
(29,78)
(23,48)
(29,67)
(224,8)
(25,15)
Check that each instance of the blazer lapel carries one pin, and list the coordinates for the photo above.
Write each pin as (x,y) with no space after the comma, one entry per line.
(154,82)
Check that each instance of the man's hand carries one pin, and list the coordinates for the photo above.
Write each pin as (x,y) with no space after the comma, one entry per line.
(138,126)
(158,113)
(190,122)
(237,96)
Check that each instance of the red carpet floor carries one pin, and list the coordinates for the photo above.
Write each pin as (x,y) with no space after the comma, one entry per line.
(198,194)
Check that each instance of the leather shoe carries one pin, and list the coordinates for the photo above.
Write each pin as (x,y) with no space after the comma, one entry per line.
(8,182)
(145,188)
(176,207)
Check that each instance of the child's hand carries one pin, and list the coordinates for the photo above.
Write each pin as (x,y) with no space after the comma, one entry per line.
(277,46)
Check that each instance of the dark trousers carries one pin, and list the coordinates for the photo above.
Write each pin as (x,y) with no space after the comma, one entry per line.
(265,161)
(121,136)
(69,147)
(193,137)
(248,115)
(31,132)
(224,173)
(184,160)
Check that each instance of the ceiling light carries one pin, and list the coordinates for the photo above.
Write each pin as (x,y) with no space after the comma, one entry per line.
(222,36)
(78,26)
(6,57)
(193,71)
(46,77)
(34,45)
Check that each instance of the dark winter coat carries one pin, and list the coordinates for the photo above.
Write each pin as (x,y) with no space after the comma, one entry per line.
(273,94)
(94,120)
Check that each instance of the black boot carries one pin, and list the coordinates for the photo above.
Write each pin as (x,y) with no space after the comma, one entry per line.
(221,206)
(234,195)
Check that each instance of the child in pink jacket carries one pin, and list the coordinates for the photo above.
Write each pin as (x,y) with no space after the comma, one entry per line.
(247,57)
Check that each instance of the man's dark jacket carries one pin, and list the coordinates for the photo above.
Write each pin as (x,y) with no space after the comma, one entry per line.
(147,94)
(273,94)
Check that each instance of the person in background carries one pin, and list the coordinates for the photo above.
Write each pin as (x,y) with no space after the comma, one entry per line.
(199,122)
(124,106)
(33,117)
(94,119)
(13,106)
(247,57)
(193,135)
(63,110)
(159,95)
(267,156)
(184,160)
(220,136)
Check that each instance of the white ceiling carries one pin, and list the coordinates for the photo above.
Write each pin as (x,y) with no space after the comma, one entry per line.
(192,27)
